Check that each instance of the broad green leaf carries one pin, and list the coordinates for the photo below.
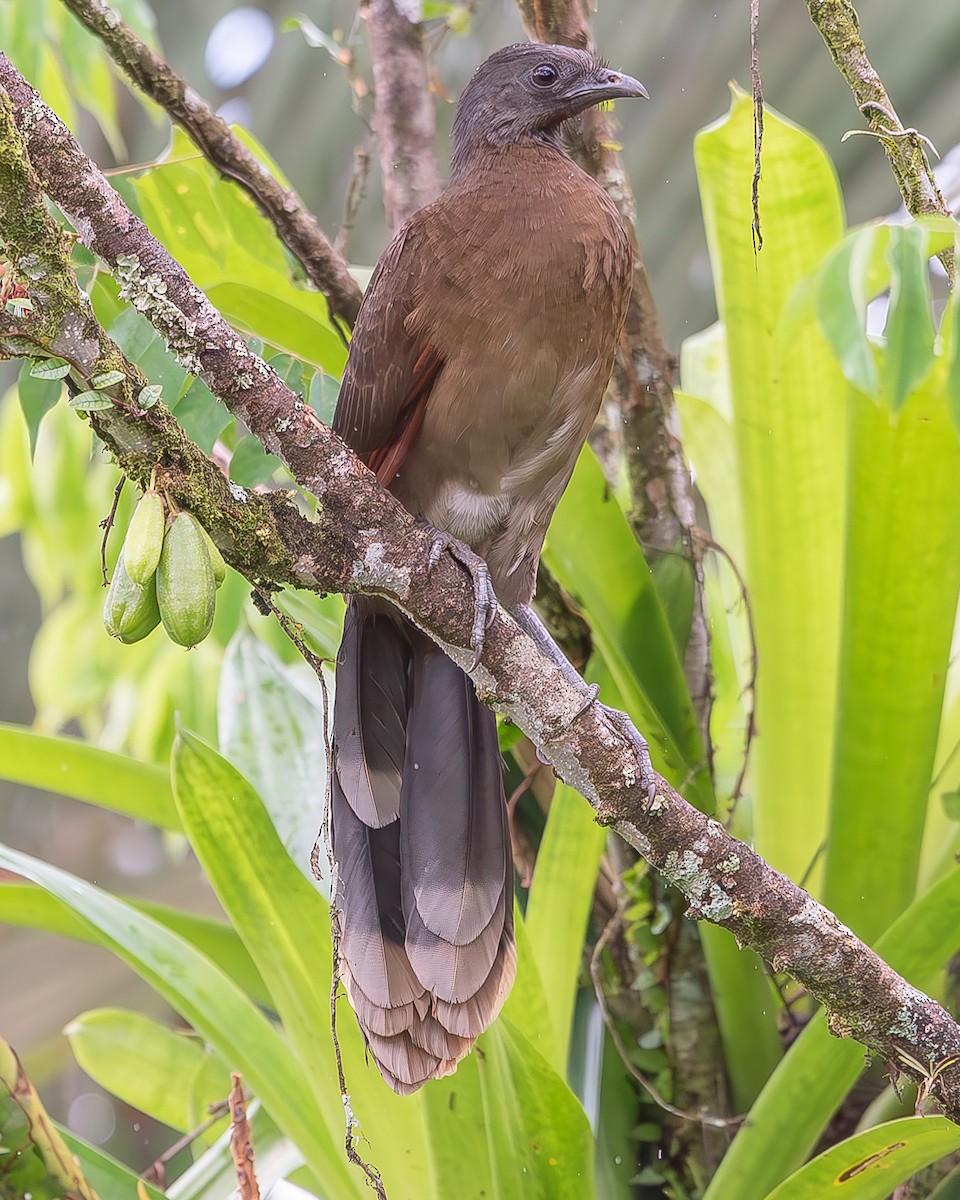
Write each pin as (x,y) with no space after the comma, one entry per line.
(30,907)
(148,1066)
(232,252)
(73,768)
(250,464)
(141,343)
(902,570)
(909,329)
(285,925)
(527,1007)
(535,1127)
(951,323)
(559,904)
(34,1162)
(201,414)
(319,619)
(212,1004)
(110,1179)
(789,432)
(272,731)
(593,553)
(842,308)
(871,1165)
(39,392)
(781,1133)
(323,395)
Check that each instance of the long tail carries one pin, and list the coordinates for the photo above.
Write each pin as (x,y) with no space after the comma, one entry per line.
(422,847)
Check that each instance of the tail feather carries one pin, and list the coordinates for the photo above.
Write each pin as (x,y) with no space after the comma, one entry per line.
(370,737)
(455,866)
(420,836)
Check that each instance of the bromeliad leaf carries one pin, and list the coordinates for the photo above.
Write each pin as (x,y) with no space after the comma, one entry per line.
(909,329)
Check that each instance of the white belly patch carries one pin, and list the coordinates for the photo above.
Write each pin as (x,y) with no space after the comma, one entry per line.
(469,514)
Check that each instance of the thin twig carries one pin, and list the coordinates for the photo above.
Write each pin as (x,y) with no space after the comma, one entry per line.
(356,193)
(106,525)
(296,226)
(757,120)
(750,688)
(241,1141)
(839,27)
(156,1173)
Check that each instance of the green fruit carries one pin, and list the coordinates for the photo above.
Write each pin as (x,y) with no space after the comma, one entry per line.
(130,611)
(186,588)
(216,558)
(141,546)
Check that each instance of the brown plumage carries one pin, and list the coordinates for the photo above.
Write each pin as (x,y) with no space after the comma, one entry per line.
(478,364)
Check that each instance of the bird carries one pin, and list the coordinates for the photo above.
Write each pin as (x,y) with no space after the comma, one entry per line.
(477,366)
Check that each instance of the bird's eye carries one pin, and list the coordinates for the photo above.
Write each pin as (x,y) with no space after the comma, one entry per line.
(544,75)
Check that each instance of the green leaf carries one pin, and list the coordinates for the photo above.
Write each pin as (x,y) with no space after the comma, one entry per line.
(250,464)
(212,1004)
(214,1173)
(50,368)
(38,394)
(319,619)
(73,768)
(110,1179)
(789,431)
(201,414)
(149,395)
(106,379)
(909,329)
(30,907)
(147,1065)
(951,325)
(323,395)
(272,731)
(536,1129)
(232,252)
(284,923)
(902,583)
(842,308)
(559,904)
(90,402)
(872,1164)
(592,552)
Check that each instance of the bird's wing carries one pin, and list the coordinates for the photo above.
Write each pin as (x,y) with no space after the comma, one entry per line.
(390,372)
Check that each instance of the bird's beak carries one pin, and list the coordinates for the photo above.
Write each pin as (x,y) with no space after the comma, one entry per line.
(607,85)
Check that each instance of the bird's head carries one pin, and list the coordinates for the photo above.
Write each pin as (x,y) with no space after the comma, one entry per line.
(525,93)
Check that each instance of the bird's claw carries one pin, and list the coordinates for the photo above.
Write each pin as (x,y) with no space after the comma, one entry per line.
(485,598)
(621,722)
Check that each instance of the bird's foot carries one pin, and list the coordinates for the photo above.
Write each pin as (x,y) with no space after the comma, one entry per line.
(531,624)
(485,598)
(638,743)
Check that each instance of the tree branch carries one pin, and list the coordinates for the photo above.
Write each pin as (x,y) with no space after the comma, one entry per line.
(839,27)
(403,109)
(364,540)
(663,513)
(296,226)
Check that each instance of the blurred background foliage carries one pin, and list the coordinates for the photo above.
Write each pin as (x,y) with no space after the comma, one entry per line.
(811,485)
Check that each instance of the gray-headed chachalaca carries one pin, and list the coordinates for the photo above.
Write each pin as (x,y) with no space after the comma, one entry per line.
(478,363)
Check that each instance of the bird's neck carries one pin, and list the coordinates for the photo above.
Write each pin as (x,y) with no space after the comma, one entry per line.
(481,152)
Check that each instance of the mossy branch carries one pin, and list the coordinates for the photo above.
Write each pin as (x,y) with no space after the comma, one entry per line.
(365,541)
